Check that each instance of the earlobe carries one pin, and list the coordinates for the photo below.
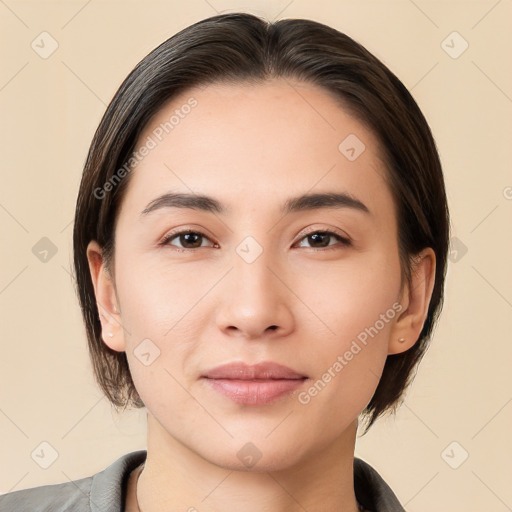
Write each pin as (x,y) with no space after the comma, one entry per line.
(110,318)
(417,295)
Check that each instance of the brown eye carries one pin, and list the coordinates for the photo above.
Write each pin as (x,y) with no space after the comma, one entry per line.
(321,239)
(187,239)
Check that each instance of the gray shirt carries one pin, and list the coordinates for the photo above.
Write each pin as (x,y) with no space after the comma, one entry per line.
(105,491)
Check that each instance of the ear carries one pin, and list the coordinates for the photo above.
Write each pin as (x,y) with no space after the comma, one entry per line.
(415,301)
(106,300)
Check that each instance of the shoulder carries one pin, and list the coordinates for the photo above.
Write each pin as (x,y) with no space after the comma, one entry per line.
(372,491)
(102,492)
(56,497)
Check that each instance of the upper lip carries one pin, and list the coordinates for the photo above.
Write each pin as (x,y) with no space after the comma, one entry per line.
(261,371)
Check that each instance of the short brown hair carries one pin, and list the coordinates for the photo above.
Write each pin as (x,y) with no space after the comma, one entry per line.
(240,48)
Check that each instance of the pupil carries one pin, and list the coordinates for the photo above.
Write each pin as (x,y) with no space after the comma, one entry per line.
(317,236)
(188,241)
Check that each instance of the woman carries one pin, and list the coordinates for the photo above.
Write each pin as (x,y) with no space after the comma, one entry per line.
(260,248)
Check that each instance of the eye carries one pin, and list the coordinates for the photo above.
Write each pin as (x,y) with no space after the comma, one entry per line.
(187,238)
(190,240)
(321,239)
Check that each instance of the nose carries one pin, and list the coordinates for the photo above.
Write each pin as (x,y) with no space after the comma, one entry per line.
(254,301)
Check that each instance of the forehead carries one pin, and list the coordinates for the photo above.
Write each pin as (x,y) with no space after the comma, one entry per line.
(259,143)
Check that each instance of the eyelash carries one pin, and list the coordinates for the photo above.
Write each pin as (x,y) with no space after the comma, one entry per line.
(344,242)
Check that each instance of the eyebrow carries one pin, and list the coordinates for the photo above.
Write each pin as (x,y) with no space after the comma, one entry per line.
(291,205)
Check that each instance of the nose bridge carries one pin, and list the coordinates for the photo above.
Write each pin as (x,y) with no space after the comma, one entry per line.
(257,299)
(254,282)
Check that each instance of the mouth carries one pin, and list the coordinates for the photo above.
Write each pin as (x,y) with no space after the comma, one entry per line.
(258,384)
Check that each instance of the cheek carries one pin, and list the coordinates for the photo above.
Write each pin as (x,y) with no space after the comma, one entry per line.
(350,295)
(355,307)
(159,299)
(347,366)
(162,325)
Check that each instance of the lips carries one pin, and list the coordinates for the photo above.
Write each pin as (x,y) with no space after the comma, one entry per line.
(257,384)
(260,371)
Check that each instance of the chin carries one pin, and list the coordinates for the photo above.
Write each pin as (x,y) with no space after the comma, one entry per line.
(257,457)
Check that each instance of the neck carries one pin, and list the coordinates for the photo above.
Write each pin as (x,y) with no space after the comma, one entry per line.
(175,478)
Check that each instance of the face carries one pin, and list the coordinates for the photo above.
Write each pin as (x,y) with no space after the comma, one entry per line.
(251,276)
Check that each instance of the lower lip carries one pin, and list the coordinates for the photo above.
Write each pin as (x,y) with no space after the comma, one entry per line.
(255,392)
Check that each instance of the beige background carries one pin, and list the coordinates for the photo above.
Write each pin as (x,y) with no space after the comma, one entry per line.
(49,110)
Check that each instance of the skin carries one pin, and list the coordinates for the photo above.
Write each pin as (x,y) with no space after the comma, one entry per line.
(251,148)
